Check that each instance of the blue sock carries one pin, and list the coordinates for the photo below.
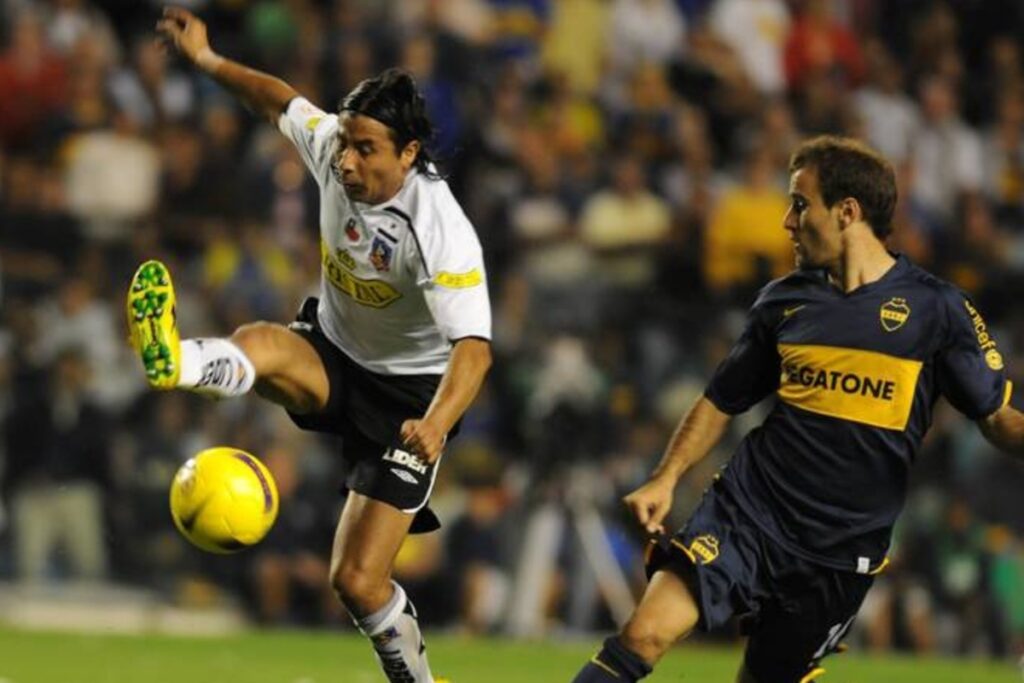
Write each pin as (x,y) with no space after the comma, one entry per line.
(613,664)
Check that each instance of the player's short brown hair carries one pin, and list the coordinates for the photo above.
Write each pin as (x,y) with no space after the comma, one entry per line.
(848,168)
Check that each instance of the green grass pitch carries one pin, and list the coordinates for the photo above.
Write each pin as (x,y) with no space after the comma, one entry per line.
(301,657)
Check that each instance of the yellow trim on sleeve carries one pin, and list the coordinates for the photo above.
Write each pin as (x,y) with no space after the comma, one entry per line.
(1006,393)
(471,278)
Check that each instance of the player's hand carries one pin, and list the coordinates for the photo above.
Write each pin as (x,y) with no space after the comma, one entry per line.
(651,503)
(423,440)
(186,32)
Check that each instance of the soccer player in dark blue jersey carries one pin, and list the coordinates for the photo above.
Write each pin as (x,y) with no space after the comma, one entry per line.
(856,344)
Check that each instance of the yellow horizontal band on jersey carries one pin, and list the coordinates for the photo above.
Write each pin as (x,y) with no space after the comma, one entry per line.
(471,278)
(850,384)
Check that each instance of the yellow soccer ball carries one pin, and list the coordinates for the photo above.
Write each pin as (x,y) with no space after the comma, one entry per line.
(223,500)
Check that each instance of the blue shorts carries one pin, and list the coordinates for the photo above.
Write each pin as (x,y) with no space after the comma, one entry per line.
(794,611)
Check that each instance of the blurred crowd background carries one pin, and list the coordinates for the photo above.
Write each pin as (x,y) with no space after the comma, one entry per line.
(624,162)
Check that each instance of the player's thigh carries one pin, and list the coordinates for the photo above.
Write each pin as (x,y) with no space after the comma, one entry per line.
(667,612)
(289,370)
(366,542)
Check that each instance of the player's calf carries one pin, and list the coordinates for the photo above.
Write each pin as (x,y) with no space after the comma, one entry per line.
(216,367)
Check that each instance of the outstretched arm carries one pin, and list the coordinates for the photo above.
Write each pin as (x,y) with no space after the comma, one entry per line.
(696,435)
(1004,429)
(264,94)
(467,367)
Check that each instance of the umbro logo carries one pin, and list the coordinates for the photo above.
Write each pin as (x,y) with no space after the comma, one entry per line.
(405,475)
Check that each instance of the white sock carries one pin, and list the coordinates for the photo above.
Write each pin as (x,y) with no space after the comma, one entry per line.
(395,634)
(215,366)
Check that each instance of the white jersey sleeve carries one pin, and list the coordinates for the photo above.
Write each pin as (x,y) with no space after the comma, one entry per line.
(313,132)
(450,270)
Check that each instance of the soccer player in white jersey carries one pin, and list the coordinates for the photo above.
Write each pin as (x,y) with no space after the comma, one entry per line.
(391,355)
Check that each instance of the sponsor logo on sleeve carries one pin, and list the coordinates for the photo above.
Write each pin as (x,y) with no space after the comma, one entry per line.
(993,359)
(471,278)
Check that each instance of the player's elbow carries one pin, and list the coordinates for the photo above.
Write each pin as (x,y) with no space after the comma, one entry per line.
(478,352)
(486,358)
(1004,429)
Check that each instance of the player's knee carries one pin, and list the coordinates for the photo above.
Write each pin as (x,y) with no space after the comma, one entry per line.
(357,588)
(259,342)
(646,639)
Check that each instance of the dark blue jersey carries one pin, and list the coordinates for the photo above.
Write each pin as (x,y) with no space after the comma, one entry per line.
(856,377)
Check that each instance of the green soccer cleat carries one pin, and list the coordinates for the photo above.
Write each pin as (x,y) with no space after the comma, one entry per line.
(152,324)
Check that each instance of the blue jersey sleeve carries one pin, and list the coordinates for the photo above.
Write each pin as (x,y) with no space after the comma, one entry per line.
(752,369)
(970,366)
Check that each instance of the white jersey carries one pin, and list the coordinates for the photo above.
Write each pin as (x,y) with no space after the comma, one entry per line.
(400,280)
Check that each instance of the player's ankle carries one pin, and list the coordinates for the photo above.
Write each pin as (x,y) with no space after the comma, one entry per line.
(215,366)
(615,662)
(395,634)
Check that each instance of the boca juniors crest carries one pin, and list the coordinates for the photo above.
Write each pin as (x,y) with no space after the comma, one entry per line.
(380,254)
(894,313)
(704,549)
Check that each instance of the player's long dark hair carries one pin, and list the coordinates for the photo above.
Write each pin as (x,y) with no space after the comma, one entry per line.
(848,168)
(392,99)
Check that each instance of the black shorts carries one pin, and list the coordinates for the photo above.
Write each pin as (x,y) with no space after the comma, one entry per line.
(795,612)
(367,410)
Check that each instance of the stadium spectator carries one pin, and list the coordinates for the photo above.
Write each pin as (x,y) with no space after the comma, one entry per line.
(756,30)
(625,224)
(946,159)
(820,46)
(289,573)
(743,243)
(58,445)
(33,79)
(890,116)
(148,91)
